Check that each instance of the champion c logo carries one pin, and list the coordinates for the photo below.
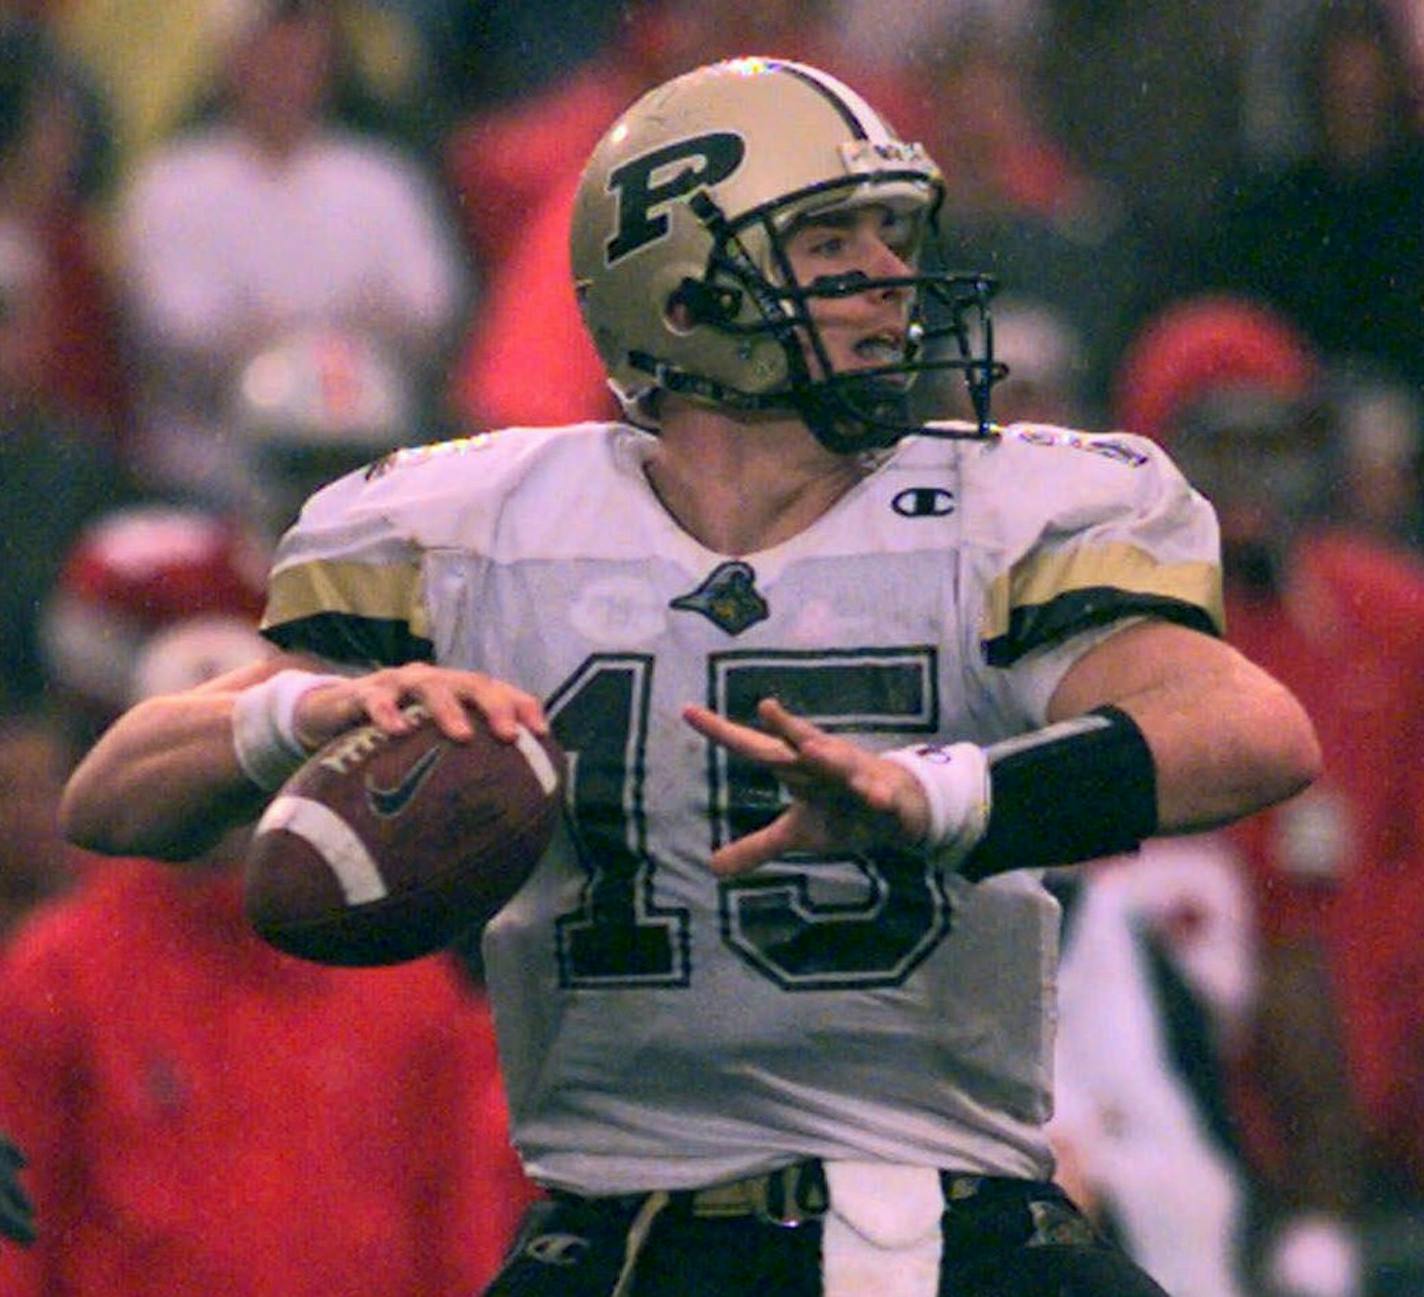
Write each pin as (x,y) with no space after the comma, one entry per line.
(923,502)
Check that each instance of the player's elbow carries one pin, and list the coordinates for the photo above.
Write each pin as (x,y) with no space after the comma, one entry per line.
(1289,758)
(89,820)
(101,811)
(124,827)
(78,825)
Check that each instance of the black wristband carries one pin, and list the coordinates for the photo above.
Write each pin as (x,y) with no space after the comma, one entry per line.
(1070,792)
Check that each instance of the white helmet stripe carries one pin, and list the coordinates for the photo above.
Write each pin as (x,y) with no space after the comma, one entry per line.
(859,115)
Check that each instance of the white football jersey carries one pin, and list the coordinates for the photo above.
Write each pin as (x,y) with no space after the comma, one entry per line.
(660,1028)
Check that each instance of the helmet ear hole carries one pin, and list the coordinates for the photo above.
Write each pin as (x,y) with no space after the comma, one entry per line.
(679,316)
(695,302)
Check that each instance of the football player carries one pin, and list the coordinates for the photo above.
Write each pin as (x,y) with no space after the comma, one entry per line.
(776,1009)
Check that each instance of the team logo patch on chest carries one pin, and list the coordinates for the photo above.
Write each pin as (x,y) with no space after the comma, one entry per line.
(728,598)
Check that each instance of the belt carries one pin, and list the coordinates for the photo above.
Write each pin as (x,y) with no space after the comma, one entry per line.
(980,1210)
(1034,1212)
(790,1195)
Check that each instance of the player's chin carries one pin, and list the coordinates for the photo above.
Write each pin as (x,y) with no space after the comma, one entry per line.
(859,412)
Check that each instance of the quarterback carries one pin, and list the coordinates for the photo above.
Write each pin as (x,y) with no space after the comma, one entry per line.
(776,1010)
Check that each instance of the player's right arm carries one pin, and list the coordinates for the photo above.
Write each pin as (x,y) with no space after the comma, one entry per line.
(165,780)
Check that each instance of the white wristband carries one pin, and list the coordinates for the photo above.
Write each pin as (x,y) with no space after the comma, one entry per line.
(955,780)
(264,734)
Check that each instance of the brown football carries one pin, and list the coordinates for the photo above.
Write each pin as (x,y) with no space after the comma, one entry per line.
(383,848)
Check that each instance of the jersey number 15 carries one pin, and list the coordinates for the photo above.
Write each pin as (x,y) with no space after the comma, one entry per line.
(620,935)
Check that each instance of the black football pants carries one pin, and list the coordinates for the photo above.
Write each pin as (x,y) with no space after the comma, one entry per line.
(1014,1239)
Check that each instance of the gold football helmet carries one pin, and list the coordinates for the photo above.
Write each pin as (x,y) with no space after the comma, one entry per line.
(682,277)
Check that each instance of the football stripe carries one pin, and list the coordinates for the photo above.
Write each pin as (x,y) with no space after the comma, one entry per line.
(332,839)
(533,752)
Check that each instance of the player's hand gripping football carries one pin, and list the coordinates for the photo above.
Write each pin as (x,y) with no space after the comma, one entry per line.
(843,796)
(447,695)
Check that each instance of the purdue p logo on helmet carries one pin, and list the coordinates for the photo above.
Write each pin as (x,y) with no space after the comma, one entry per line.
(685,200)
(688,165)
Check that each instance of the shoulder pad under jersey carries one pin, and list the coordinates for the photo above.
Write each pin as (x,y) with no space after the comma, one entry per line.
(347,580)
(1090,528)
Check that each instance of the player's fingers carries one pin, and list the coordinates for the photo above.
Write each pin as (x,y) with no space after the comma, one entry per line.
(382,704)
(326,711)
(745,741)
(820,758)
(799,828)
(529,712)
(831,758)
(795,730)
(754,849)
(446,705)
(506,710)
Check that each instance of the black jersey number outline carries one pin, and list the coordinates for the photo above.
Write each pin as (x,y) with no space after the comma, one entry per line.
(771,917)
(619,936)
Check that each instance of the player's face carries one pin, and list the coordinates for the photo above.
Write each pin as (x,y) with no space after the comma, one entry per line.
(867,329)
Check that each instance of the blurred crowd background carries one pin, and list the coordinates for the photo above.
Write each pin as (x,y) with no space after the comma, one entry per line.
(246,245)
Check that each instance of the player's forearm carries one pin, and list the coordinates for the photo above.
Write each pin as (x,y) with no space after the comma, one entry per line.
(164,781)
(1226,738)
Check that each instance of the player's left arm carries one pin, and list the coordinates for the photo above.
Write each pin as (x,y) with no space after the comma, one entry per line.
(1155,729)
(1226,738)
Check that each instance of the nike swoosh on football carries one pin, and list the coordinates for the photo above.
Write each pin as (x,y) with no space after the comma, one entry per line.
(387,802)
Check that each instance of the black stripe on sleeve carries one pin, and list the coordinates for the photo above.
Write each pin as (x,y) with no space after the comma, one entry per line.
(345,637)
(1034,626)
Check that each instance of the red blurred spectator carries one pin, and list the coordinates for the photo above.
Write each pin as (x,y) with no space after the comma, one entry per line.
(128,575)
(528,359)
(1208,344)
(205,1116)
(1339,870)
(72,343)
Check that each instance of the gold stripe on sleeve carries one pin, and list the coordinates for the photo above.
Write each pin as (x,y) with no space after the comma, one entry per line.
(382,592)
(1122,577)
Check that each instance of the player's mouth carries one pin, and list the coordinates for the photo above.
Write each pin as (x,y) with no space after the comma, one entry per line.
(884,348)
(881,355)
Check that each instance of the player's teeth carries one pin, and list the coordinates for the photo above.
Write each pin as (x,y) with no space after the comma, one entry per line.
(878,349)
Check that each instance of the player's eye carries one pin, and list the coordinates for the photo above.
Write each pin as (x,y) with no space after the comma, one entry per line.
(899,232)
